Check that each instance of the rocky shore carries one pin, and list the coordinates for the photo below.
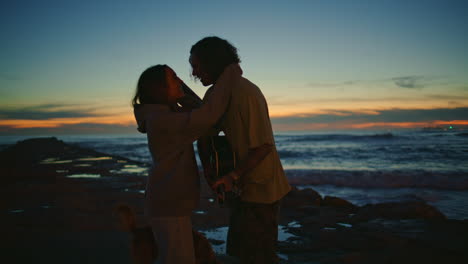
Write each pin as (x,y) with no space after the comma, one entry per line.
(57,205)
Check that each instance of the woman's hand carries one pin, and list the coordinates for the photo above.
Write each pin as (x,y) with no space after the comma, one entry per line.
(189,102)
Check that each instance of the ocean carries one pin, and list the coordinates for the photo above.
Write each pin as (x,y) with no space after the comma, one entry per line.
(362,167)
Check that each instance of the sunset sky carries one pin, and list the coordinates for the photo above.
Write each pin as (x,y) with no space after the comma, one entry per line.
(70,67)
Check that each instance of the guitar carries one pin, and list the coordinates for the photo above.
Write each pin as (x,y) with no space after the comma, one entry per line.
(222,161)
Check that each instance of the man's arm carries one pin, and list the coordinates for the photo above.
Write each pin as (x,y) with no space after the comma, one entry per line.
(254,157)
(204,145)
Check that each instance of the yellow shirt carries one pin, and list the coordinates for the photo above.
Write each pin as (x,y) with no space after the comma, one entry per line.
(247,125)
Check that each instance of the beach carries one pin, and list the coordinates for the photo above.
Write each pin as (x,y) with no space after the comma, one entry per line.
(58,203)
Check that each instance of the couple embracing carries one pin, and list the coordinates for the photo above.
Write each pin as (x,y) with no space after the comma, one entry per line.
(172,117)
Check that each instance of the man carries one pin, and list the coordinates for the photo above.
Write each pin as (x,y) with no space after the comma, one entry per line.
(253,229)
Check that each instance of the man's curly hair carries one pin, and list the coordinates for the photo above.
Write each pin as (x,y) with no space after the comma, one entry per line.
(215,54)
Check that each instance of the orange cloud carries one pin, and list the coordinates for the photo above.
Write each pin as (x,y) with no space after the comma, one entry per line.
(369,125)
(409,124)
(127,119)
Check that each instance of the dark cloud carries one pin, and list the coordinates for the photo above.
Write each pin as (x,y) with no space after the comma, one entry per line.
(337,84)
(410,82)
(447,97)
(421,81)
(335,116)
(289,100)
(42,112)
(75,129)
(447,114)
(455,103)
(396,115)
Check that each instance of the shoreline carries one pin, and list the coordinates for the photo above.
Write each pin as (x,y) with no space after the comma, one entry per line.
(44,209)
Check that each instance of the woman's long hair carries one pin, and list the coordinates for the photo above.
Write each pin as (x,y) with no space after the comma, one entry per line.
(151,78)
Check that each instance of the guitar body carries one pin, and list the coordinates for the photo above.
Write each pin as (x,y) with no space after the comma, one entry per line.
(222,162)
(222,158)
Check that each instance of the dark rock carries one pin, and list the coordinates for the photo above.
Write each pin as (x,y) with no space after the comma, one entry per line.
(31,151)
(402,210)
(298,198)
(337,202)
(381,233)
(40,159)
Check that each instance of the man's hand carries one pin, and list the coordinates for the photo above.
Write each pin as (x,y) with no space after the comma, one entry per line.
(227,180)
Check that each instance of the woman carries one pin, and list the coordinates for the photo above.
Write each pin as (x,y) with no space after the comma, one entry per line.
(173,186)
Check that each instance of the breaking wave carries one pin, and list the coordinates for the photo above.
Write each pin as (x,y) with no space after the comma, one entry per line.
(343,137)
(379,179)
